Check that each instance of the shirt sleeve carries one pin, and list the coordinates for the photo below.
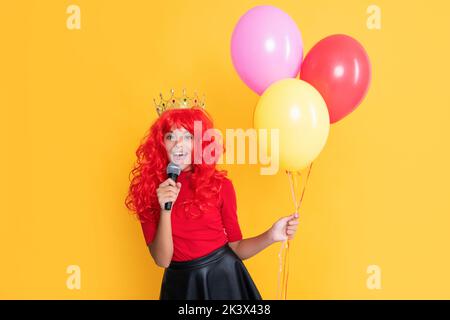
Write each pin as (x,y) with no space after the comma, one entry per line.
(229,211)
(149,230)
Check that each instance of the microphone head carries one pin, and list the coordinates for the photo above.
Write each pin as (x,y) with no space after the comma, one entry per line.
(173,168)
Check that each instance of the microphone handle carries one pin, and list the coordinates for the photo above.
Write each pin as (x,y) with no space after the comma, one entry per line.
(174,177)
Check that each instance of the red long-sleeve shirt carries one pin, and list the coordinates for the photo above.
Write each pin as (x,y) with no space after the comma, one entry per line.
(194,238)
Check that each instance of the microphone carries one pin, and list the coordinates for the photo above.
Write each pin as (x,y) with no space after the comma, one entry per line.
(173,171)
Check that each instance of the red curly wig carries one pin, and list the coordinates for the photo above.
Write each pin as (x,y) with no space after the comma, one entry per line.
(150,168)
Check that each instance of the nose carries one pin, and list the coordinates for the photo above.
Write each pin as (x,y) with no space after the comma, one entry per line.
(179,140)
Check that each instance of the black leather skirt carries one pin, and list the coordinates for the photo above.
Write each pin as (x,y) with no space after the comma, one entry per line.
(220,275)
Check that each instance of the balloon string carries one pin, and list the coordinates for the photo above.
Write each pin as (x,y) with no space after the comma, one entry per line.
(282,267)
(293,182)
(279,272)
(306,182)
(287,268)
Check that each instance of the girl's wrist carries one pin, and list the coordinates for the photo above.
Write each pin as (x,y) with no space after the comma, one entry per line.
(166,211)
(269,236)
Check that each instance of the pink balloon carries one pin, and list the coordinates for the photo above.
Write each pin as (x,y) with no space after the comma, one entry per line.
(266,46)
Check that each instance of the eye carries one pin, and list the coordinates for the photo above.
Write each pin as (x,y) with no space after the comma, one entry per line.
(188,137)
(170,137)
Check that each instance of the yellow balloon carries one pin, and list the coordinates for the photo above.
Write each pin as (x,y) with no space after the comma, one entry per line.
(299,112)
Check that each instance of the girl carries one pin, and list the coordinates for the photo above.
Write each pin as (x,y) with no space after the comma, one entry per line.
(199,240)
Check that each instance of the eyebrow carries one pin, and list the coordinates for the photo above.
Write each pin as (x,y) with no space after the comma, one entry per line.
(187,132)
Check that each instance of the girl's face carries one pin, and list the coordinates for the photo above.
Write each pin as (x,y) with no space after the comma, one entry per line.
(179,144)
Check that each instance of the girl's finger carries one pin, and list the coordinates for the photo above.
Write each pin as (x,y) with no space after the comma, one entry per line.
(169,193)
(174,189)
(171,188)
(168,182)
(170,199)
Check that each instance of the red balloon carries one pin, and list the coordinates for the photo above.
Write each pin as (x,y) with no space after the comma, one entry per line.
(339,68)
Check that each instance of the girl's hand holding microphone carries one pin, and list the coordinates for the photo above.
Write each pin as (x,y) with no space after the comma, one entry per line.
(168,192)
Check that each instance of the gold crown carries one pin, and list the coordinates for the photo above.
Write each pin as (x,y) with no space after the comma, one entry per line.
(182,102)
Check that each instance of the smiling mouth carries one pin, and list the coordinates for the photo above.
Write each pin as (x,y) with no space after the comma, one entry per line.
(179,155)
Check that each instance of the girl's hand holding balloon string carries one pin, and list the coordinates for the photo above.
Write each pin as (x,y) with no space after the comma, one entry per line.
(285,228)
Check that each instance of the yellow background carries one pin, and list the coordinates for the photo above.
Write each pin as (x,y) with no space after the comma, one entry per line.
(75,104)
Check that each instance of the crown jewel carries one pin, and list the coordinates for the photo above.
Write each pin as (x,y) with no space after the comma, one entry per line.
(182,102)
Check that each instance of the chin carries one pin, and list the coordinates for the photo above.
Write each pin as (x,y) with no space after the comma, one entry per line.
(181,164)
